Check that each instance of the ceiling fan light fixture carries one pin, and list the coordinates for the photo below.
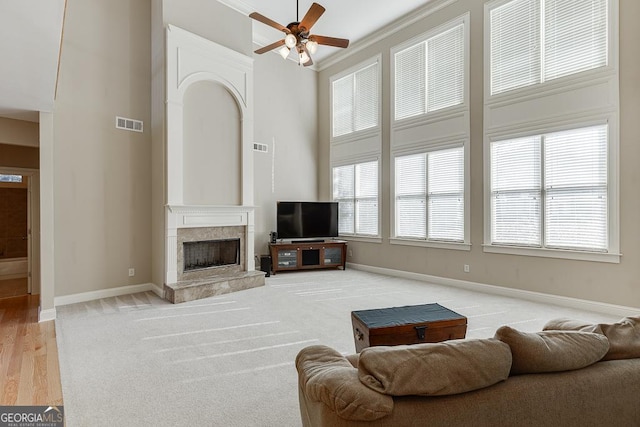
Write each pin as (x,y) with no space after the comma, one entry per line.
(304,57)
(290,40)
(312,46)
(284,52)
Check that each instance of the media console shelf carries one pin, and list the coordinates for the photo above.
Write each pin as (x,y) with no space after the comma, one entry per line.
(308,255)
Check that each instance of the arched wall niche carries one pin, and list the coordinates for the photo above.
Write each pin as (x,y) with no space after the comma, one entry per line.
(203,75)
(212,143)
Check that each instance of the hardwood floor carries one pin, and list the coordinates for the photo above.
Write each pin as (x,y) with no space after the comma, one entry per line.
(13,287)
(29,370)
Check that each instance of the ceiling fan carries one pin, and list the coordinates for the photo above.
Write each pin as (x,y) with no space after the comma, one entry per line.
(297,39)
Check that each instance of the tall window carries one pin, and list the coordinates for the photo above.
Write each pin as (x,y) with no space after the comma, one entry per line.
(355,101)
(430,75)
(551,190)
(355,187)
(430,195)
(533,41)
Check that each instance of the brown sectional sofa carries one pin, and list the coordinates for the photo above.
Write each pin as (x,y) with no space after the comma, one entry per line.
(549,378)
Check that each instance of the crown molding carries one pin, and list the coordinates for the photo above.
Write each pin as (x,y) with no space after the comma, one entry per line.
(384,32)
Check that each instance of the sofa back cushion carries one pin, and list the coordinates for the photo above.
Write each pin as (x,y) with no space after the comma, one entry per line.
(327,376)
(623,336)
(552,351)
(434,369)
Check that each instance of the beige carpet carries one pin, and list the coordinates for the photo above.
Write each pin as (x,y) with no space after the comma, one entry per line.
(228,361)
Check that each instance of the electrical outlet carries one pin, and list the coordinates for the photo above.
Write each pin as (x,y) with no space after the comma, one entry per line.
(466,268)
(350,252)
(132,272)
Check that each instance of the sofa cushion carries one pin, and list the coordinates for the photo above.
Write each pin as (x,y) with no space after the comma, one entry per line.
(328,377)
(434,369)
(624,336)
(552,351)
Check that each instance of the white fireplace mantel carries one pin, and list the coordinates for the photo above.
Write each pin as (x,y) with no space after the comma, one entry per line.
(188,216)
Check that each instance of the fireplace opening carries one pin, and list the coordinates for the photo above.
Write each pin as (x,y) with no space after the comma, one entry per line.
(211,253)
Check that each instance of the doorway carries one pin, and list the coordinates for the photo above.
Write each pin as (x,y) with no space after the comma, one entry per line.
(16,230)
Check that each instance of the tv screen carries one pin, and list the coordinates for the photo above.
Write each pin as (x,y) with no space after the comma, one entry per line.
(299,220)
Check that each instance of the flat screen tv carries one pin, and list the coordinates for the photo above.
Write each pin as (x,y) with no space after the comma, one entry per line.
(305,220)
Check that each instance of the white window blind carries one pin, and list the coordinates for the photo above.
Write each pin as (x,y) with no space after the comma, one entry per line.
(551,190)
(576,189)
(515,191)
(430,75)
(355,188)
(430,195)
(411,196)
(575,36)
(533,41)
(356,100)
(446,194)
(515,45)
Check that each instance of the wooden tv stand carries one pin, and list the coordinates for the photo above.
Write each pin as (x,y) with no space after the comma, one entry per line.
(308,255)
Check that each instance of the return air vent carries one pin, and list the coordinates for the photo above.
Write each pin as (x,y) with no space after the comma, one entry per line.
(129,124)
(263,148)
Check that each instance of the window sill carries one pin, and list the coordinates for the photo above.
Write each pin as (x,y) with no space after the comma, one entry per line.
(554,253)
(431,244)
(366,239)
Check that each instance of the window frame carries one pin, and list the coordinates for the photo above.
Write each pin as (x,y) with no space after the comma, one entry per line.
(363,133)
(611,255)
(442,113)
(464,245)
(353,162)
(577,78)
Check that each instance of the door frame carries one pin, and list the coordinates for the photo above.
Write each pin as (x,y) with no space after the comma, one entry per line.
(33,224)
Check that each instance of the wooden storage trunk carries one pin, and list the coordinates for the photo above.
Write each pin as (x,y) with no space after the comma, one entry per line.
(411,324)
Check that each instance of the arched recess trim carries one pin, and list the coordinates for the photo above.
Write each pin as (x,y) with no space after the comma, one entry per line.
(191,59)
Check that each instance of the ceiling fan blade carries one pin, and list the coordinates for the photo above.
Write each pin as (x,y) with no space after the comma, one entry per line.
(269,22)
(270,47)
(313,14)
(330,41)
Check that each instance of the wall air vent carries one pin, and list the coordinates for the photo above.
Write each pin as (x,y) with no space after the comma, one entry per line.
(129,124)
(263,148)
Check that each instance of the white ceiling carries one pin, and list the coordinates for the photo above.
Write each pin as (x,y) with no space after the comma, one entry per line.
(31,31)
(347,19)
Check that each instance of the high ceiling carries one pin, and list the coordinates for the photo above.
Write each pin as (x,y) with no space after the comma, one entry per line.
(30,34)
(31,31)
(348,19)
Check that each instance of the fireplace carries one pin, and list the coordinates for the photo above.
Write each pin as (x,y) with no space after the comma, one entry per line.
(211,254)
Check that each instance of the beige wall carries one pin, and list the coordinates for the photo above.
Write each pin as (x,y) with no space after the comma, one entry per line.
(211,146)
(285,120)
(18,132)
(608,283)
(102,175)
(17,156)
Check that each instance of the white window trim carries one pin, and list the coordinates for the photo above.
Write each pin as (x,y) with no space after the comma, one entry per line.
(360,134)
(613,253)
(353,161)
(505,117)
(428,243)
(445,112)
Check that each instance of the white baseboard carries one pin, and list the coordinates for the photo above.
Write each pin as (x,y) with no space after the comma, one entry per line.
(46,315)
(580,304)
(107,293)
